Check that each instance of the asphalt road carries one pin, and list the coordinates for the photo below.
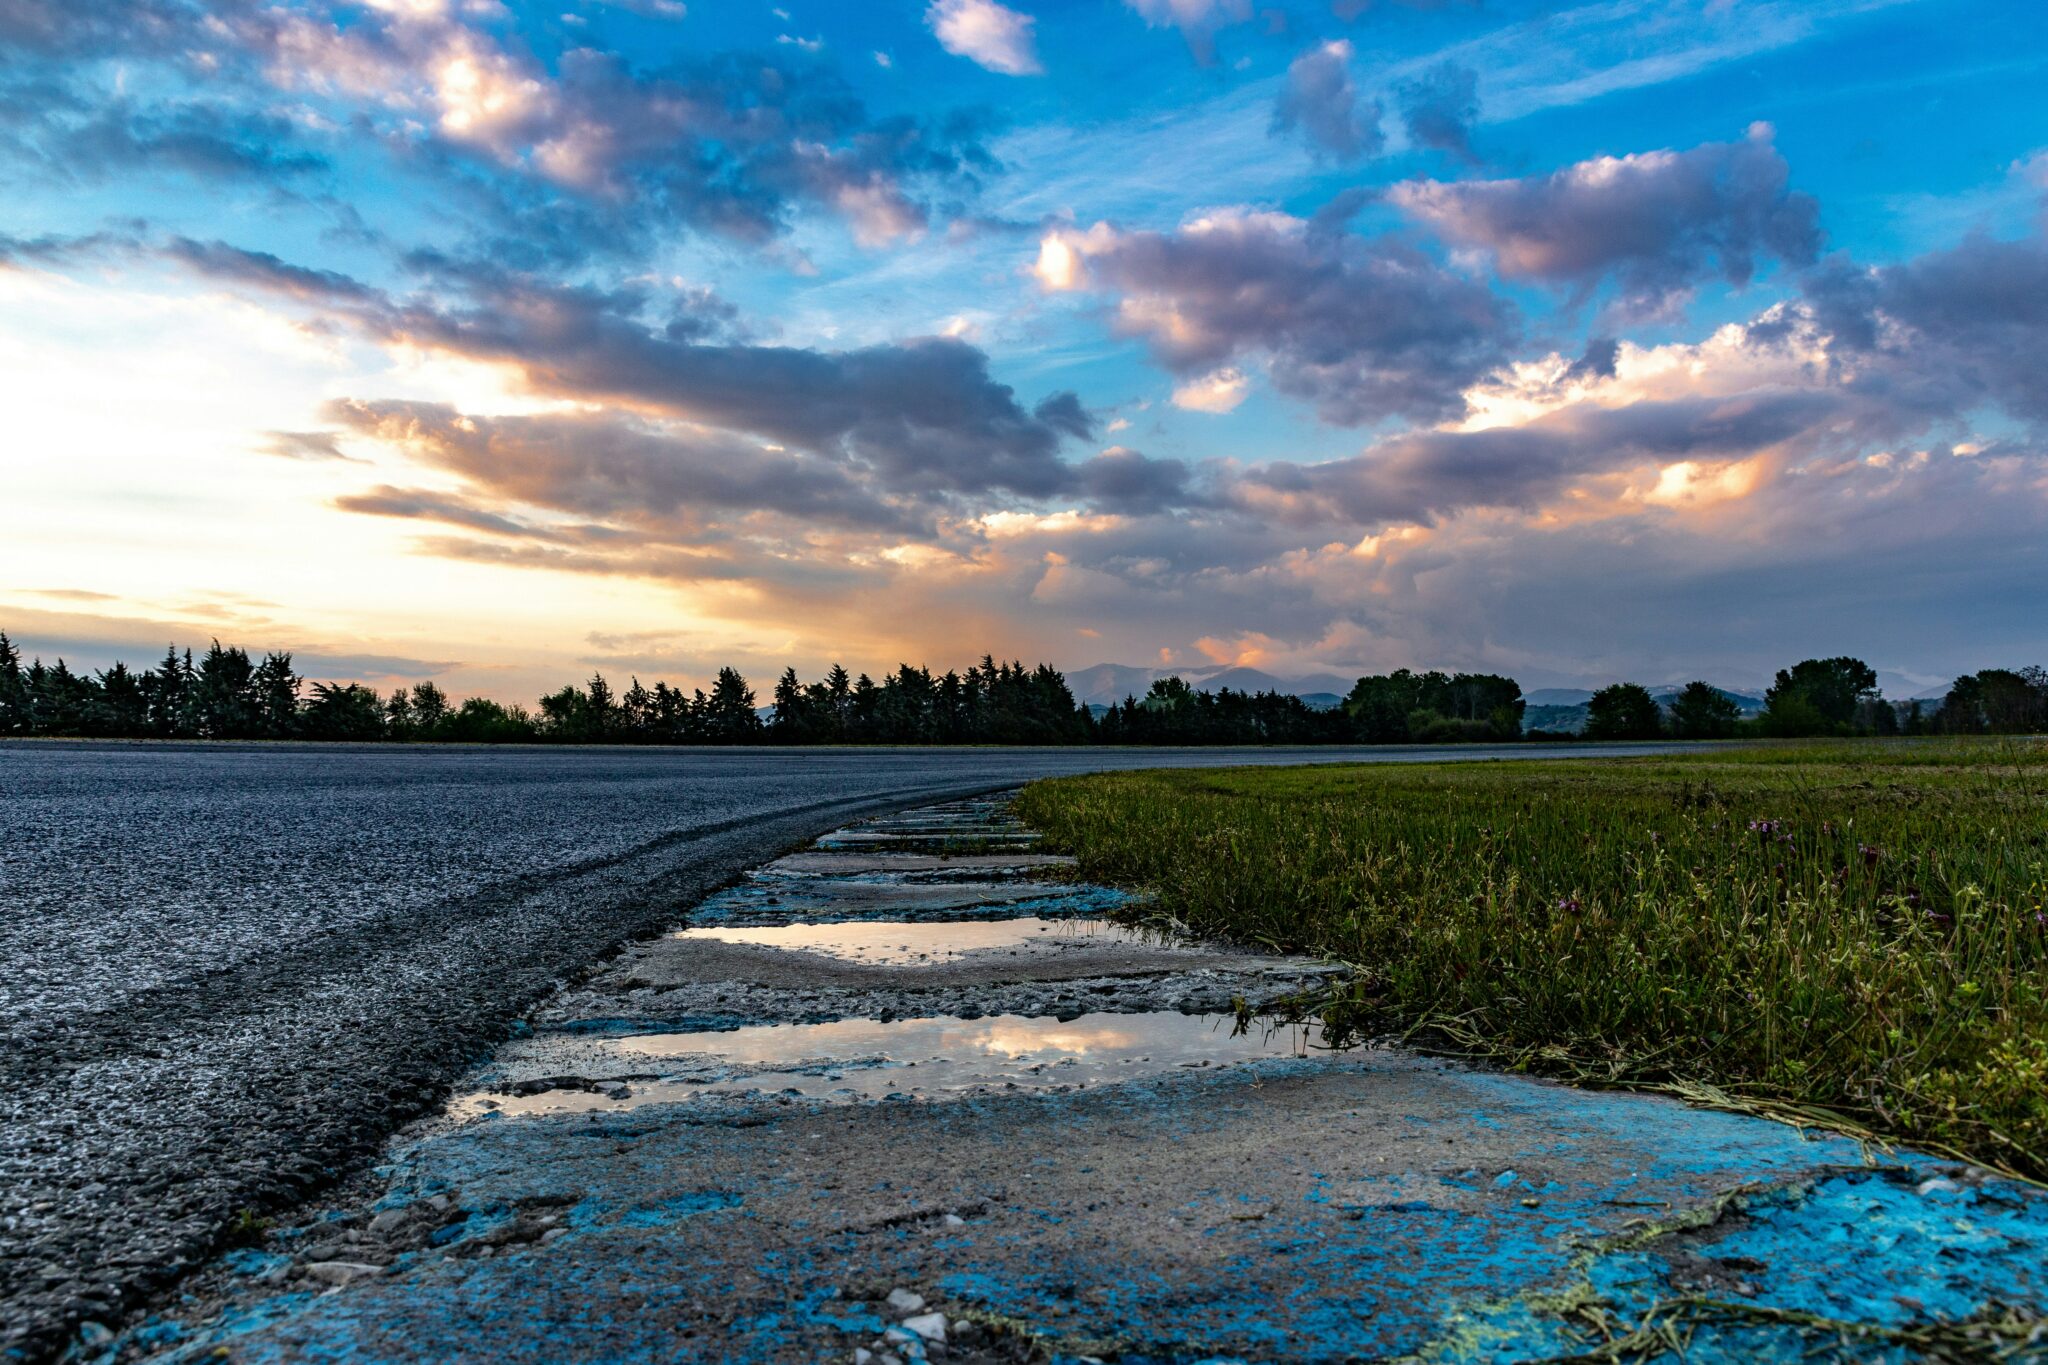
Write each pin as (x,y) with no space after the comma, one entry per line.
(231,970)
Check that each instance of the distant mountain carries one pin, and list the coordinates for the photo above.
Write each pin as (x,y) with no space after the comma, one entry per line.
(1558,696)
(1109,684)
(1563,709)
(1749,703)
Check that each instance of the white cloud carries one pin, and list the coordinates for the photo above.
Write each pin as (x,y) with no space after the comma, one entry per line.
(1220,391)
(985,32)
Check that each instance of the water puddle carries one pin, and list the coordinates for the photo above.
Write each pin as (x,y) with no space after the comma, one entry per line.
(908,1059)
(926,942)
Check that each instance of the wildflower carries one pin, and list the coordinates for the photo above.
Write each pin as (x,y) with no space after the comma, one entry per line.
(1570,905)
(1766,827)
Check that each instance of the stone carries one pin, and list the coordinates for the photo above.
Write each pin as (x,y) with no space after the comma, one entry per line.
(930,1326)
(338,1273)
(903,1301)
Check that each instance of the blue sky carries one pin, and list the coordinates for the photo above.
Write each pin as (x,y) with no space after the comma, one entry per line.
(497,342)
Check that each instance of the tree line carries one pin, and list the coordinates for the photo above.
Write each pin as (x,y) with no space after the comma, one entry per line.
(226,693)
(1823,697)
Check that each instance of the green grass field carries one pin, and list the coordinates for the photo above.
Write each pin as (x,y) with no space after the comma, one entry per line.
(1856,932)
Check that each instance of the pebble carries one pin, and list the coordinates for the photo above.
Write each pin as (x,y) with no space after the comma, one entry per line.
(903,1301)
(930,1326)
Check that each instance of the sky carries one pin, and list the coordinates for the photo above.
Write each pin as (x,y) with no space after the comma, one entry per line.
(499,342)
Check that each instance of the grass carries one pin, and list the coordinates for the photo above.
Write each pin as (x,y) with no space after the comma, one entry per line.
(1854,933)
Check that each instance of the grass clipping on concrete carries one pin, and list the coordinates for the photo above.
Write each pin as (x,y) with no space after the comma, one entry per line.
(1850,934)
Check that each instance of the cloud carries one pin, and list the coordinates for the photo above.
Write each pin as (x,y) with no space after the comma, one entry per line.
(78,142)
(588,154)
(1440,107)
(1362,329)
(306,445)
(1218,391)
(1197,20)
(1657,223)
(1122,480)
(610,467)
(1942,332)
(1319,100)
(986,33)
(1423,478)
(924,413)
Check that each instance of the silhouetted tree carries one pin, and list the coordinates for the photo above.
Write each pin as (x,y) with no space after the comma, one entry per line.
(1703,711)
(224,695)
(117,708)
(168,691)
(343,711)
(1403,707)
(430,709)
(728,714)
(274,692)
(16,714)
(1623,711)
(1817,697)
(1997,701)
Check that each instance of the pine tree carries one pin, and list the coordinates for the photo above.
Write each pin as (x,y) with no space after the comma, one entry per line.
(225,695)
(14,699)
(729,716)
(275,691)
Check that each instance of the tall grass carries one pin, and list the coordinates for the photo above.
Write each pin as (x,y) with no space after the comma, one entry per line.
(1861,928)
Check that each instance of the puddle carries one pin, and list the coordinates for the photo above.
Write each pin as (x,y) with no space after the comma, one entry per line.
(765,901)
(867,1059)
(926,942)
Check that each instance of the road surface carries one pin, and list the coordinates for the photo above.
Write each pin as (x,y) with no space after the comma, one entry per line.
(233,969)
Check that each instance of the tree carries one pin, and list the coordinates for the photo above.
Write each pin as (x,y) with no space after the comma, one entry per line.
(430,708)
(1402,706)
(1380,706)
(168,689)
(119,708)
(14,700)
(1996,700)
(224,695)
(59,699)
(346,711)
(795,720)
(398,718)
(274,690)
(1817,696)
(1623,711)
(636,713)
(729,716)
(483,721)
(1702,711)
